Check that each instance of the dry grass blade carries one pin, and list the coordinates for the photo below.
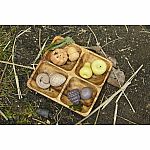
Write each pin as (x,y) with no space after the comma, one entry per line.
(27,30)
(4,71)
(6,45)
(9,63)
(129,102)
(116,108)
(99,110)
(40,52)
(126,28)
(106,102)
(13,53)
(88,42)
(145,32)
(58,118)
(3,115)
(97,43)
(112,41)
(129,64)
(126,120)
(16,77)
(39,121)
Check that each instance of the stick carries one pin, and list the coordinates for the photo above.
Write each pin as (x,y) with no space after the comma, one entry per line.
(16,77)
(123,49)
(112,41)
(129,64)
(106,102)
(4,71)
(126,119)
(117,34)
(145,32)
(66,32)
(39,121)
(97,43)
(6,46)
(13,51)
(3,115)
(27,30)
(99,110)
(89,40)
(129,102)
(126,28)
(116,108)
(58,115)
(40,52)
(9,63)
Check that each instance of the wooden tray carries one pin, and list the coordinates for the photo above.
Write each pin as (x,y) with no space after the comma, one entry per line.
(71,71)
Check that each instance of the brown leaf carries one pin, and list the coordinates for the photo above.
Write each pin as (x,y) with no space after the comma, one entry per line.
(116,76)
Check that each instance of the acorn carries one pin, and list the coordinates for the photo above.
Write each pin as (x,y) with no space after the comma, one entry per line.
(74,96)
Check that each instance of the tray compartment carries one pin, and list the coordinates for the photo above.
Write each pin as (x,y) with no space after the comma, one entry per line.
(47,68)
(76,83)
(69,64)
(90,57)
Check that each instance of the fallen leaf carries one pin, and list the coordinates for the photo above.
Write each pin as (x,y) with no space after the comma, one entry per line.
(116,77)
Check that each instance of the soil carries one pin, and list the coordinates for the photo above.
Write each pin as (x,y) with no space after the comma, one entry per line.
(130,43)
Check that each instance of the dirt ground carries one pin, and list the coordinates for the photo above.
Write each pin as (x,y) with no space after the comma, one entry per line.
(128,44)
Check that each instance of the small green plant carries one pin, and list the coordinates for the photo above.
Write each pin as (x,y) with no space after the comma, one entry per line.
(61,43)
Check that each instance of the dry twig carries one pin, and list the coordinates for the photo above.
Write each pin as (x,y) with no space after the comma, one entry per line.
(39,121)
(9,63)
(40,52)
(3,115)
(145,32)
(116,108)
(99,110)
(58,115)
(66,32)
(6,45)
(129,64)
(124,49)
(112,41)
(126,28)
(4,71)
(89,40)
(16,77)
(126,120)
(13,53)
